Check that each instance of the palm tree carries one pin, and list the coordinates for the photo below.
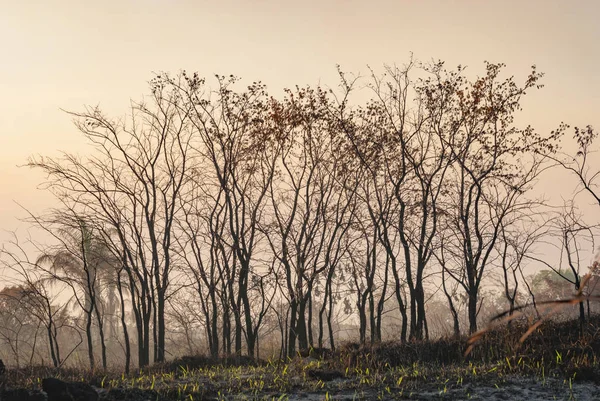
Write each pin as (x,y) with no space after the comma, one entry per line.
(83,262)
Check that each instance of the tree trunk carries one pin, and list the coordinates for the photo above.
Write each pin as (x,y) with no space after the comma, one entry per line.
(90,340)
(160,349)
(472,308)
(124,325)
(291,350)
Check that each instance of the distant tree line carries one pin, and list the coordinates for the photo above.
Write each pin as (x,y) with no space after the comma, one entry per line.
(264,217)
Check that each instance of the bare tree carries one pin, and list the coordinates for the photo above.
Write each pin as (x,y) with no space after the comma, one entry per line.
(39,300)
(82,262)
(304,196)
(19,329)
(582,165)
(495,164)
(573,238)
(132,183)
(234,135)
(283,214)
(402,144)
(518,240)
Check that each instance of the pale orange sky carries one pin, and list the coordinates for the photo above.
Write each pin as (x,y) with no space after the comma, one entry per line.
(66,54)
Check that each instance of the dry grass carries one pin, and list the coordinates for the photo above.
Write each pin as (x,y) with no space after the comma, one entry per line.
(557,350)
(549,345)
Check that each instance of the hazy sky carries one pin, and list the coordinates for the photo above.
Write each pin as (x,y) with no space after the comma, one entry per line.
(66,54)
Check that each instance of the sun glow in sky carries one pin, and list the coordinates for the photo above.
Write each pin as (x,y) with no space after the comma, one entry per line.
(67,54)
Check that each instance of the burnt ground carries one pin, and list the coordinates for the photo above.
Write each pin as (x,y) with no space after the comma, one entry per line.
(558,361)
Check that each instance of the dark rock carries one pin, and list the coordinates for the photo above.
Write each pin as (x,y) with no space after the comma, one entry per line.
(191,362)
(59,390)
(584,374)
(351,346)
(21,394)
(319,353)
(131,394)
(325,375)
(2,368)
